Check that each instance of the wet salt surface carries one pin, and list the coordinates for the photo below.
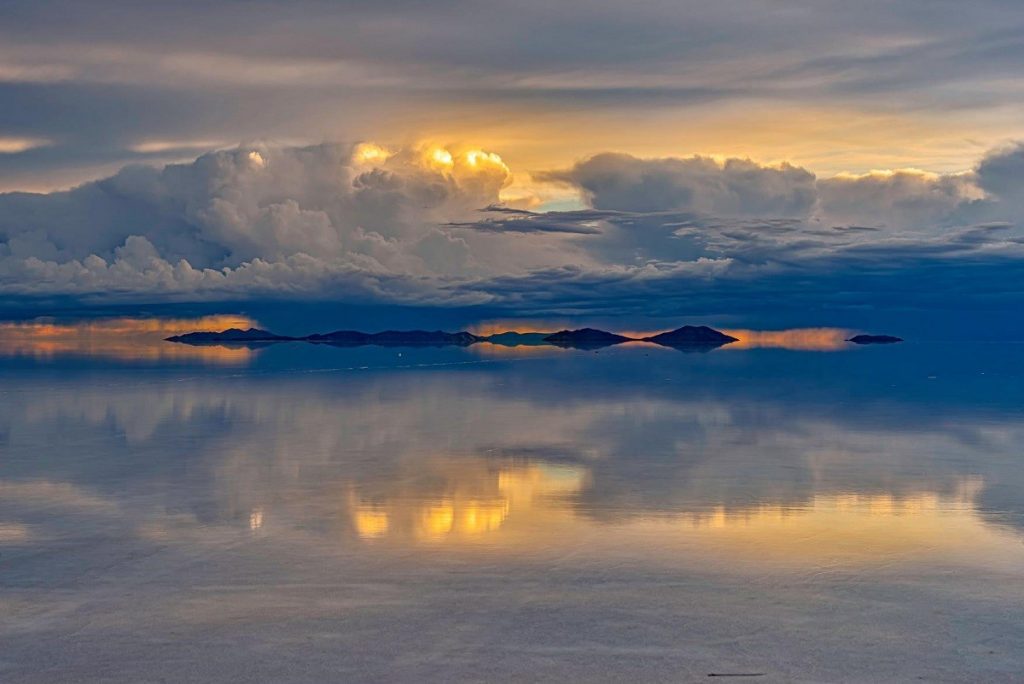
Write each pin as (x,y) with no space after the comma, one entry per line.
(340,515)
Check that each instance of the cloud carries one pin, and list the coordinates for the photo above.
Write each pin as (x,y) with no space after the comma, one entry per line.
(1001,175)
(841,86)
(733,187)
(16,145)
(501,219)
(992,191)
(238,217)
(897,199)
(422,225)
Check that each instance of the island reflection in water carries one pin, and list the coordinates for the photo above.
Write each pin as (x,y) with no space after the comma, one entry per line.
(750,494)
(142,340)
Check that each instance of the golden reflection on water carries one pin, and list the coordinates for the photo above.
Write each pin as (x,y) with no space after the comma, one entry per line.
(800,339)
(850,528)
(256,518)
(370,521)
(122,339)
(505,350)
(496,327)
(469,509)
(531,508)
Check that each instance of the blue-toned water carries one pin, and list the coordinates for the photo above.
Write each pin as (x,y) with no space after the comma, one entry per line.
(302,513)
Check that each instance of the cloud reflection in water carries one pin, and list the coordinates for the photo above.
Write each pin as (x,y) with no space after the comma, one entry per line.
(528,456)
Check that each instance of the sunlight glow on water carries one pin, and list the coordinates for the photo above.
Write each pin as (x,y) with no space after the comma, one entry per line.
(800,339)
(122,339)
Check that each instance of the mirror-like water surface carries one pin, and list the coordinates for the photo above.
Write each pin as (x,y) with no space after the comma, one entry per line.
(304,513)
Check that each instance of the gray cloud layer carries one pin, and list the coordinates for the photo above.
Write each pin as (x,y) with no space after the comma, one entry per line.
(96,79)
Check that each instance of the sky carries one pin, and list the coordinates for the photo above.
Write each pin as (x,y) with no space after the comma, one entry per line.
(664,158)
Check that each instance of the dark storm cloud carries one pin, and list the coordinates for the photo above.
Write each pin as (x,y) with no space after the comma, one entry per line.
(908,276)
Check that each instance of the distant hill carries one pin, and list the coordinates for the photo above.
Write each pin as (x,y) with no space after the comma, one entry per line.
(874,339)
(396,338)
(587,338)
(229,335)
(340,337)
(691,336)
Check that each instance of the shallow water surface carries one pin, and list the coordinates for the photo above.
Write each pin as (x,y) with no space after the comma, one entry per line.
(301,514)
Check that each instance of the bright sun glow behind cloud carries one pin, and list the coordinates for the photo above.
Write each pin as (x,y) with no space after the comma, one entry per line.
(370,153)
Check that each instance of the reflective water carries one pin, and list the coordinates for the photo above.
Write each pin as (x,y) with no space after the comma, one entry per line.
(311,514)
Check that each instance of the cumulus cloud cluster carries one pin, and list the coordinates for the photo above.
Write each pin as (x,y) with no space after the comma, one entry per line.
(423,225)
(734,187)
(253,218)
(901,199)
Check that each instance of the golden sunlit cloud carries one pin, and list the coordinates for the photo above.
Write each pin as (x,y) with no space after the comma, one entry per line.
(477,157)
(370,153)
(440,157)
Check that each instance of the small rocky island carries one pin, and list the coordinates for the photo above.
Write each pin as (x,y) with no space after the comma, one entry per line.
(692,336)
(874,339)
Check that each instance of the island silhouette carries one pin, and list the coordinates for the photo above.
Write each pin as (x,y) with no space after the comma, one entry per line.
(874,339)
(687,338)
